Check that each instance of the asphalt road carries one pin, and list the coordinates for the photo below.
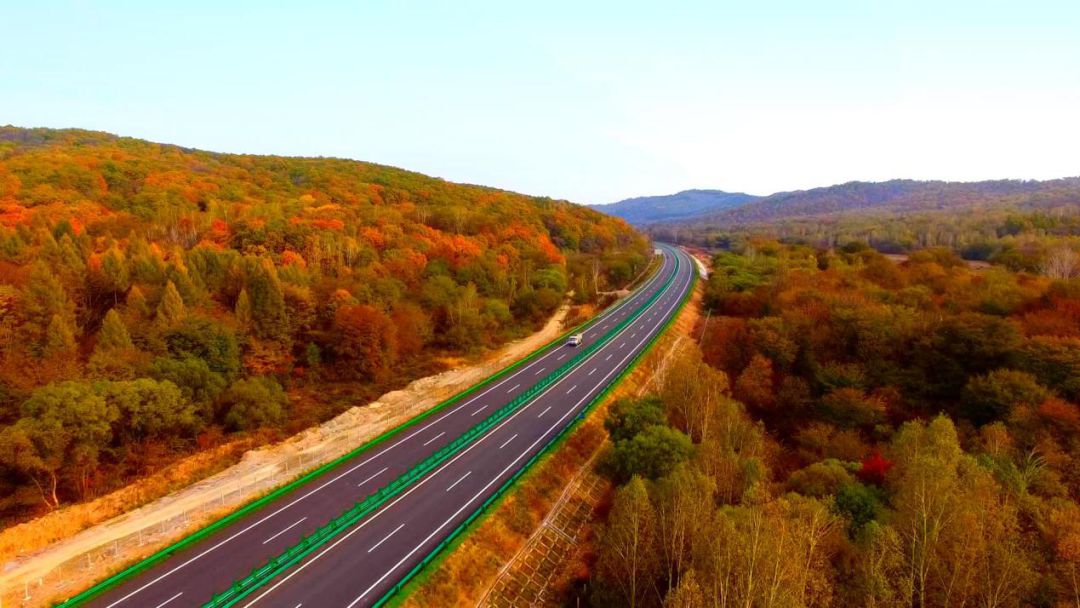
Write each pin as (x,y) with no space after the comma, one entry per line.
(357,567)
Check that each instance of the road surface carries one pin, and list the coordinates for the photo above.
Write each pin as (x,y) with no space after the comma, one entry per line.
(360,565)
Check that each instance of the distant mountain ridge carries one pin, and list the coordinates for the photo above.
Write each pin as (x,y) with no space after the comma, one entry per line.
(898,195)
(671,207)
(704,208)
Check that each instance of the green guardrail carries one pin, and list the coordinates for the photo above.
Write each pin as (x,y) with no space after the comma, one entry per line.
(555,441)
(144,564)
(324,534)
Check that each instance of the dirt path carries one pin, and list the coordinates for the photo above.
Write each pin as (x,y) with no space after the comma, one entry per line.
(71,564)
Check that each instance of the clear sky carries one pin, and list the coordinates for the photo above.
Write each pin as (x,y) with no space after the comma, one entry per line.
(590,101)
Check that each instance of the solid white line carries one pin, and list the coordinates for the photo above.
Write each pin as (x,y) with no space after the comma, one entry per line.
(170,599)
(479,493)
(290,527)
(543,412)
(641,290)
(508,441)
(419,484)
(458,481)
(376,545)
(516,386)
(539,371)
(372,477)
(482,408)
(435,437)
(593,371)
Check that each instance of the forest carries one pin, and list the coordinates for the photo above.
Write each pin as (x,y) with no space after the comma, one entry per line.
(156,300)
(848,430)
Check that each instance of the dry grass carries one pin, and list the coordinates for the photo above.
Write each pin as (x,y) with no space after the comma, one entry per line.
(33,535)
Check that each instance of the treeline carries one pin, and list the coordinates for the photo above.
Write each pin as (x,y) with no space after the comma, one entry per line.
(1022,239)
(154,298)
(854,432)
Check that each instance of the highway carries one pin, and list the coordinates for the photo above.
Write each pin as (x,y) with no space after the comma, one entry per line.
(360,565)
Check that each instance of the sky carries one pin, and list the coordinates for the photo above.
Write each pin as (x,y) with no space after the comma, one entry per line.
(588,101)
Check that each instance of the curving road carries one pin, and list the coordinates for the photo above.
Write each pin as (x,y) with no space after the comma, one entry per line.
(359,566)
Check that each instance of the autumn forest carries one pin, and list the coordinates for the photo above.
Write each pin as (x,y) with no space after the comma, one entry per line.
(156,301)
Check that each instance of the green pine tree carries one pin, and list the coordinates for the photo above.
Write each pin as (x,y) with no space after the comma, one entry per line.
(171,309)
(114,334)
(243,310)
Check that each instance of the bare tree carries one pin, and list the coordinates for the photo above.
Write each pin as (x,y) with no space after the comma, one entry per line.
(1061,263)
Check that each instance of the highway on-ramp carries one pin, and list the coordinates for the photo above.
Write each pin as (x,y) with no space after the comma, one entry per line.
(360,565)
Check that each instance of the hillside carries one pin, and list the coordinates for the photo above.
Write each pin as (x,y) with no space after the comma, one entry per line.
(155,300)
(673,207)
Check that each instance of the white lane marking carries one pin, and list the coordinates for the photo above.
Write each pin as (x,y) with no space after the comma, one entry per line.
(170,599)
(482,408)
(571,389)
(623,344)
(608,358)
(435,437)
(593,371)
(543,412)
(561,357)
(479,493)
(386,538)
(372,477)
(508,441)
(516,386)
(655,278)
(633,335)
(458,481)
(539,371)
(420,484)
(289,527)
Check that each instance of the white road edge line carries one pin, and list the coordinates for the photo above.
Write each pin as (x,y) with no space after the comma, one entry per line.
(412,489)
(485,488)
(385,538)
(329,482)
(453,485)
(287,528)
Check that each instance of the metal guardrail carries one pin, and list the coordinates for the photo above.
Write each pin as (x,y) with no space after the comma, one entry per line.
(555,441)
(143,564)
(263,574)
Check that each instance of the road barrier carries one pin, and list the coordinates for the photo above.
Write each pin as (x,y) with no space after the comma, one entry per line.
(263,574)
(555,440)
(275,491)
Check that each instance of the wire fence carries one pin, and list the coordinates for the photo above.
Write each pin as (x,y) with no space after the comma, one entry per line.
(217,496)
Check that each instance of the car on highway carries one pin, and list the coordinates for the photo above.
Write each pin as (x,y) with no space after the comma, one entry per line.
(575,340)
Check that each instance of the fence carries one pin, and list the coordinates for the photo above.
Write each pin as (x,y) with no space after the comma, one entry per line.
(261,575)
(339,441)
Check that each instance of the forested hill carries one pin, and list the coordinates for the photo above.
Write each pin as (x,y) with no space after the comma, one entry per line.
(897,196)
(673,207)
(153,297)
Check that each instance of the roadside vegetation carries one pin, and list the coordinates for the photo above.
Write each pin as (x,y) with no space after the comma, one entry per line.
(157,301)
(853,432)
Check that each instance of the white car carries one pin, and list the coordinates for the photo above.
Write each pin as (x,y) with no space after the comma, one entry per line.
(574,340)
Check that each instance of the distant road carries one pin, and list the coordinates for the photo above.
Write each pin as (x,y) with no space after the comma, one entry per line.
(360,565)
